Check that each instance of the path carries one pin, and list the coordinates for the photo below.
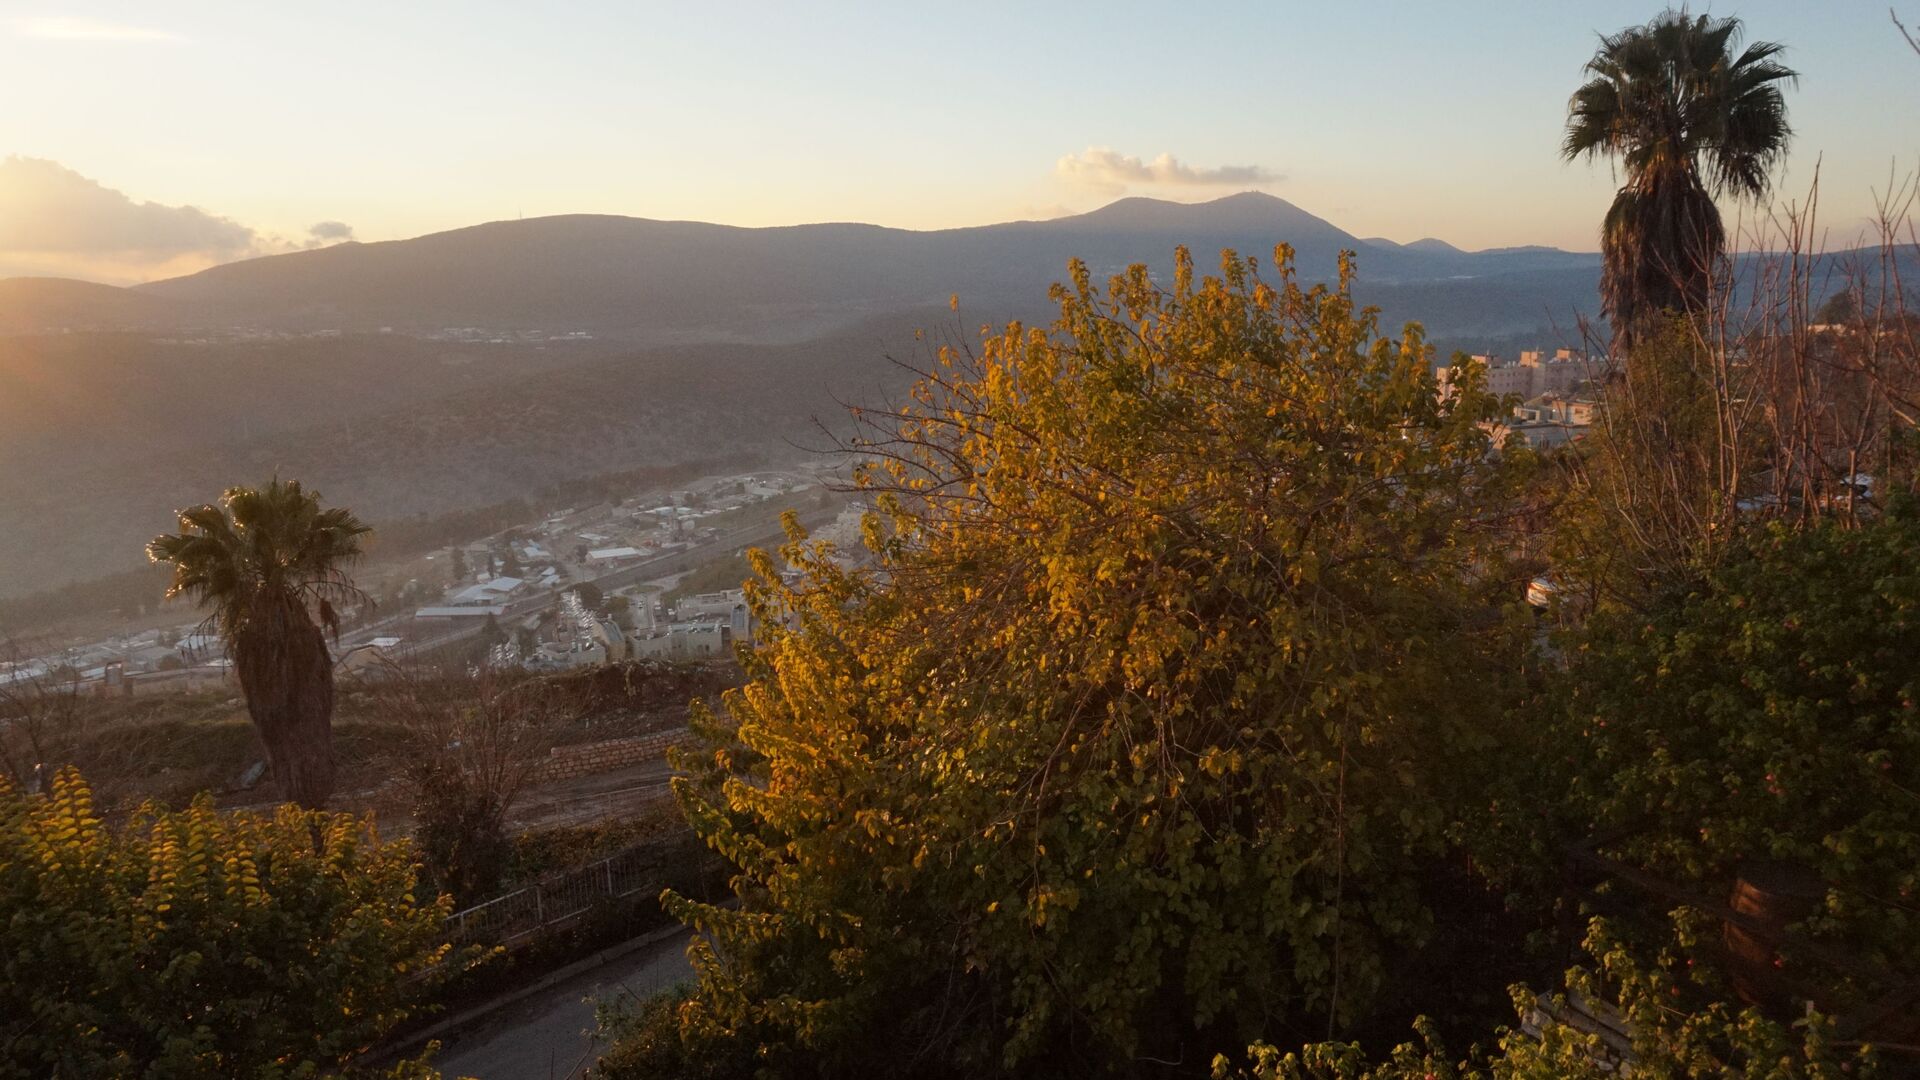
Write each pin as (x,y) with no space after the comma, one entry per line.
(549,1036)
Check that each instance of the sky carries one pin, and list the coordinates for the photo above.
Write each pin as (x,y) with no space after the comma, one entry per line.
(141,140)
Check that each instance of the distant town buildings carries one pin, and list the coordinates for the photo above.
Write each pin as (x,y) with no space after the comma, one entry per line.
(1558,404)
(1553,419)
(515,579)
(1533,374)
(489,593)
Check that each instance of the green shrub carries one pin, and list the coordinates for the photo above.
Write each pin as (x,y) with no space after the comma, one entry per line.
(195,943)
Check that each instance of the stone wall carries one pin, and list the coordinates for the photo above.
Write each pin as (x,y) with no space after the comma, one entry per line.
(583,759)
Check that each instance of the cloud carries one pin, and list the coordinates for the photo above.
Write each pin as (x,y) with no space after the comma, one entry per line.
(55,221)
(1108,170)
(81,29)
(328,232)
(46,207)
(1043,212)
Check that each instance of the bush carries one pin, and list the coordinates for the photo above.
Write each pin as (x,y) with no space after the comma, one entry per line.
(1765,712)
(195,943)
(1187,648)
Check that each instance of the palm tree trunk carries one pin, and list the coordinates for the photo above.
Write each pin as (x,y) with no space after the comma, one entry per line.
(1659,246)
(288,683)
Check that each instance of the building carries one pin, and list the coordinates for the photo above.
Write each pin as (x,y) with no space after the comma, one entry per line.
(685,641)
(1533,374)
(614,554)
(612,640)
(1551,419)
(488,592)
(703,605)
(460,611)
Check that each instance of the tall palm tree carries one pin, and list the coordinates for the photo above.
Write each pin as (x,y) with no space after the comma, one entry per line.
(1688,119)
(270,563)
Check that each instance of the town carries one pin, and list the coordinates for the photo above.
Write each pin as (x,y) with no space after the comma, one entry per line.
(592,585)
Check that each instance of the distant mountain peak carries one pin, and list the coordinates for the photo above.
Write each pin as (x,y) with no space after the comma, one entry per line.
(1434,246)
(1252,214)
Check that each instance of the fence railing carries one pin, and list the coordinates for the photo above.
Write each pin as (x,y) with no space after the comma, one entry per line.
(556,901)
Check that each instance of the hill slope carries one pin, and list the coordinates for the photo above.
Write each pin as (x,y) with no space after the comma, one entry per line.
(31,304)
(664,281)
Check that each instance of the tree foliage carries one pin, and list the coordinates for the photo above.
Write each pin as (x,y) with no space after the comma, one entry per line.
(197,943)
(271,564)
(1185,648)
(1765,711)
(1689,115)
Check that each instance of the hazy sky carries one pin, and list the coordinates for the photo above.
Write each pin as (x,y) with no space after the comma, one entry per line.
(385,120)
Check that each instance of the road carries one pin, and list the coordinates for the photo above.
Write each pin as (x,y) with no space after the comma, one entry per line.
(550,1036)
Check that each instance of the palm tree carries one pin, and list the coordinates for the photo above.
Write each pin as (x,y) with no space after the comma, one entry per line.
(269,562)
(1688,120)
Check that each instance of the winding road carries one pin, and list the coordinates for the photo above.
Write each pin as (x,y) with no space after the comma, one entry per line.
(550,1036)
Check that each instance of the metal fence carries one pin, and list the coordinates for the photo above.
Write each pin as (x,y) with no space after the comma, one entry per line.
(556,901)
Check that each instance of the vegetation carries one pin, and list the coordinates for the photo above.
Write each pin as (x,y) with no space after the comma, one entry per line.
(1193,650)
(1183,718)
(728,572)
(1763,715)
(1688,117)
(268,561)
(198,943)
(477,739)
(1182,724)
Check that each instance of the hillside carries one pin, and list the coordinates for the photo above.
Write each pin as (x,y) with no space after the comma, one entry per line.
(391,427)
(664,281)
(38,304)
(698,341)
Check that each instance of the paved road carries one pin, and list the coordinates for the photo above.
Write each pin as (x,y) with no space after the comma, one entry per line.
(549,1036)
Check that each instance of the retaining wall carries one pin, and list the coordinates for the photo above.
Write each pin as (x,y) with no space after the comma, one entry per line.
(585,758)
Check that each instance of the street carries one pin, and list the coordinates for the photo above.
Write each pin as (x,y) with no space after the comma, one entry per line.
(550,1036)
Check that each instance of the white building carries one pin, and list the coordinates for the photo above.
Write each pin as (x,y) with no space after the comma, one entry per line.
(489,592)
(685,641)
(1532,375)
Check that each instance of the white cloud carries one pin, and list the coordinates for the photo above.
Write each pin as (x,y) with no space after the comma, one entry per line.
(47,207)
(328,232)
(1043,212)
(55,221)
(1107,170)
(83,29)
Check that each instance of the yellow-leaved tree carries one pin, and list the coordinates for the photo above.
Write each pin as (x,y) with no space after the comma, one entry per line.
(1185,646)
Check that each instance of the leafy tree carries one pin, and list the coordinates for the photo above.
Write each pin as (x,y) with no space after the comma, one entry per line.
(1764,712)
(199,943)
(1842,308)
(1713,1044)
(1688,118)
(269,562)
(592,596)
(1186,648)
(458,568)
(1663,1026)
(479,737)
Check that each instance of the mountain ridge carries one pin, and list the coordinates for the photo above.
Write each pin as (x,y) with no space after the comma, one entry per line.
(656,281)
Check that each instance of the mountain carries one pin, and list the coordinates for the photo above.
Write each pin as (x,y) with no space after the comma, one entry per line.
(113,433)
(29,304)
(1432,246)
(660,282)
(696,343)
